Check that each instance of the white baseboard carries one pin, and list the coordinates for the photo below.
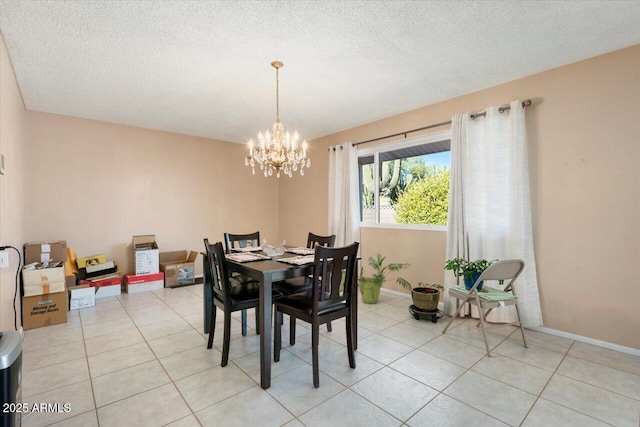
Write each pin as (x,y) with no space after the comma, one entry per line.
(396,293)
(587,340)
(544,330)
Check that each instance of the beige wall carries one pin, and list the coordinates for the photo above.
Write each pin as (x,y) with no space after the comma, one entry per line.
(426,254)
(96,184)
(584,135)
(303,199)
(13,189)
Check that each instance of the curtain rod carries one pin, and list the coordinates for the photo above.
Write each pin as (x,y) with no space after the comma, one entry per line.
(525,103)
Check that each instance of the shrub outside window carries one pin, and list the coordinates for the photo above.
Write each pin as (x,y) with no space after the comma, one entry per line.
(406,182)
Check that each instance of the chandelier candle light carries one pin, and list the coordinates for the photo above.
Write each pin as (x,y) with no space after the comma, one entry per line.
(278,150)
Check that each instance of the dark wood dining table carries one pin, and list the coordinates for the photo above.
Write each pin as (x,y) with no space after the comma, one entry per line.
(266,272)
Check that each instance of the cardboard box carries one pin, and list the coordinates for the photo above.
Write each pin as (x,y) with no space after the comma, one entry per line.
(43,281)
(178,267)
(82,296)
(70,280)
(44,310)
(145,254)
(143,282)
(109,291)
(107,287)
(91,260)
(43,251)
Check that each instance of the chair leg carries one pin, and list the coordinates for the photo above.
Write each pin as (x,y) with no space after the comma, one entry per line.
(329,328)
(257,320)
(277,335)
(212,326)
(524,341)
(244,323)
(354,316)
(354,329)
(292,330)
(315,338)
(454,316)
(352,359)
(227,338)
(484,334)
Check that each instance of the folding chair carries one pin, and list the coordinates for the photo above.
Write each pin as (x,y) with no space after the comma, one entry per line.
(490,298)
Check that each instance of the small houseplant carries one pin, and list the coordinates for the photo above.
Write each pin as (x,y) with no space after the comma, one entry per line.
(469,270)
(370,286)
(425,296)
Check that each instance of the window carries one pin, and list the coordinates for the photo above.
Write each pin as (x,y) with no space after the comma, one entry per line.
(406,182)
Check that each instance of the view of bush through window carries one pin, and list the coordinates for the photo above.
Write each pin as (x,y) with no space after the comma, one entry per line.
(413,185)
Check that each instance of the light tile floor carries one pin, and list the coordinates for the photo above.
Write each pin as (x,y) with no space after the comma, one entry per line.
(141,360)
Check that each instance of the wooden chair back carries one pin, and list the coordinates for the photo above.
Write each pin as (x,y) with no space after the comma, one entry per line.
(314,240)
(241,240)
(333,277)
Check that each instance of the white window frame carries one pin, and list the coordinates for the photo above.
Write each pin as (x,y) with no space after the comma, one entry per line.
(390,146)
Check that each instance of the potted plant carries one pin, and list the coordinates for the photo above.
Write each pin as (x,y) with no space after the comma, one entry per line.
(370,286)
(425,296)
(469,270)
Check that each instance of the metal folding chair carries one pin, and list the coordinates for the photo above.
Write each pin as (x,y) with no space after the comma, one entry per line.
(490,298)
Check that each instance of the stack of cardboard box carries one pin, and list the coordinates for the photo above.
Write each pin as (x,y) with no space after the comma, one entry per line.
(146,257)
(155,270)
(98,272)
(44,284)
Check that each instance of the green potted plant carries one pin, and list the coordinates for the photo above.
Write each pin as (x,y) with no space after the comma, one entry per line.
(425,296)
(370,286)
(469,270)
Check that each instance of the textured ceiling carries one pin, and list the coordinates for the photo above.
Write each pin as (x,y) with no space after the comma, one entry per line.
(202,67)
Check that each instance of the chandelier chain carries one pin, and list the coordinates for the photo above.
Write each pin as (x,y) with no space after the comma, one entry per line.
(277,94)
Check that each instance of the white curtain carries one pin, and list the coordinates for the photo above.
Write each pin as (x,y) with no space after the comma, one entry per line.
(489,207)
(344,208)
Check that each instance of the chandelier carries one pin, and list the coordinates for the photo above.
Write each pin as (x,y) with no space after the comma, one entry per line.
(278,150)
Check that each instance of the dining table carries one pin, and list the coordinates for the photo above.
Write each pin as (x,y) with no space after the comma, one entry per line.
(266,272)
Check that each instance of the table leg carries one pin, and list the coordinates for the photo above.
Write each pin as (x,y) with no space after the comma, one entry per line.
(265,331)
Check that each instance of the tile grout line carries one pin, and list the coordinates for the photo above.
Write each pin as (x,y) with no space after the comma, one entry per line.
(555,372)
(467,369)
(539,396)
(93,392)
(163,367)
(504,339)
(401,373)
(132,366)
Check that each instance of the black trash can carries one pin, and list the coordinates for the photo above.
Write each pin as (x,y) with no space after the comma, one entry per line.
(10,379)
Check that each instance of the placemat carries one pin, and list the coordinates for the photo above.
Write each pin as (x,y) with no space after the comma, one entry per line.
(301,251)
(248,249)
(298,260)
(246,257)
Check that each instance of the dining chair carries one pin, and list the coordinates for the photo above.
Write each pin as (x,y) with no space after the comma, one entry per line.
(314,240)
(241,241)
(303,284)
(228,295)
(234,241)
(489,298)
(329,298)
